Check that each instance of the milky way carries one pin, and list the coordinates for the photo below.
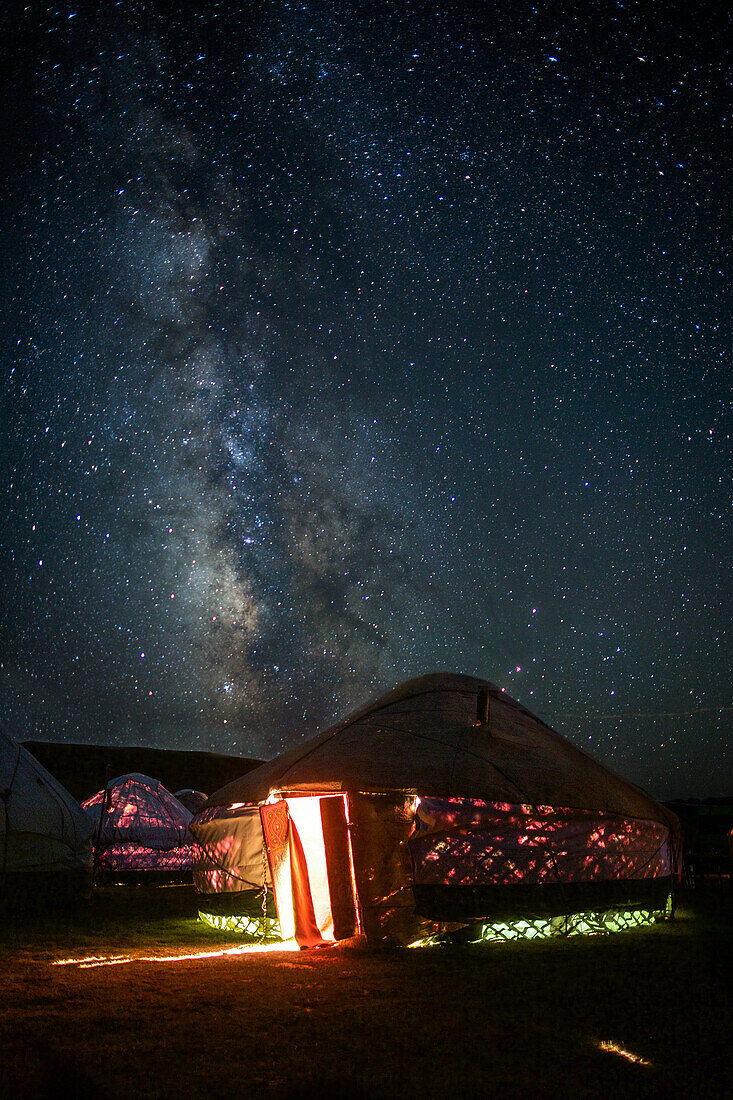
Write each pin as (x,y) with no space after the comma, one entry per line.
(354,343)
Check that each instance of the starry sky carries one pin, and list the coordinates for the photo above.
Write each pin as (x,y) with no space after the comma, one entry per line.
(353,341)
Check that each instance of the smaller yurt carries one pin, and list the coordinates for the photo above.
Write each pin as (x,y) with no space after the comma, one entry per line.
(45,836)
(141,832)
(193,800)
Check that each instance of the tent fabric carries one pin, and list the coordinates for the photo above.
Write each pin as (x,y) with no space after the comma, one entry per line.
(229,857)
(465,842)
(424,737)
(43,830)
(459,803)
(139,824)
(129,857)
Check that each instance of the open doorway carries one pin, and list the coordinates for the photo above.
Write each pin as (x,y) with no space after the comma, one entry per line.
(309,852)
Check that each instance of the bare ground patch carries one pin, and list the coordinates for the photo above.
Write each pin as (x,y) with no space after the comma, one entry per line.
(523,1020)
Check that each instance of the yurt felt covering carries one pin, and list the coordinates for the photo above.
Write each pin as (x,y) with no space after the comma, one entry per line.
(458,805)
(44,834)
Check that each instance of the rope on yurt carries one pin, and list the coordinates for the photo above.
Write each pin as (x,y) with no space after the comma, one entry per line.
(219,866)
(261,887)
(666,841)
(483,704)
(155,792)
(655,853)
(483,718)
(264,893)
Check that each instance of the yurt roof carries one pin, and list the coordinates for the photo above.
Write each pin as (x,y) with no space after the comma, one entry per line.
(424,736)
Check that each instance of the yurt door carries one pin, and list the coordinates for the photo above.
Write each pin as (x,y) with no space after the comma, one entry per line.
(313,875)
(340,866)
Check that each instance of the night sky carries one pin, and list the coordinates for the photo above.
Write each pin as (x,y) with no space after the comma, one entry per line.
(353,341)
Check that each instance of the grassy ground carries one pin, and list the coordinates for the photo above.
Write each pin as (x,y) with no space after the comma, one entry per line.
(511,1020)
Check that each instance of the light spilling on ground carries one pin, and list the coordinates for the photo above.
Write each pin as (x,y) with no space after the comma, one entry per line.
(614,1048)
(117,960)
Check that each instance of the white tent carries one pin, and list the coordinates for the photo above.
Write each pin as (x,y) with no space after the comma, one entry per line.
(45,836)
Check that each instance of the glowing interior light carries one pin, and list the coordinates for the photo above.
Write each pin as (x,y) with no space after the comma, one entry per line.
(258,927)
(574,924)
(306,814)
(614,1048)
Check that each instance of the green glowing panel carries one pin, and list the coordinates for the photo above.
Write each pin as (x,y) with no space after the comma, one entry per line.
(575,924)
(257,928)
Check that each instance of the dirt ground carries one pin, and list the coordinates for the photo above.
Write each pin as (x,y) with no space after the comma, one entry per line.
(513,1020)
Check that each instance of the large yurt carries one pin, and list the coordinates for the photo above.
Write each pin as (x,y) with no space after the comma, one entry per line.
(141,832)
(45,836)
(443,808)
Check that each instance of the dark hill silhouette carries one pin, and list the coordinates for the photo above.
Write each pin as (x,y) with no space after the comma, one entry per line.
(85,769)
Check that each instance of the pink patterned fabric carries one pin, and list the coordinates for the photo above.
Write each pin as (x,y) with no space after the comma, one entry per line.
(133,857)
(468,842)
